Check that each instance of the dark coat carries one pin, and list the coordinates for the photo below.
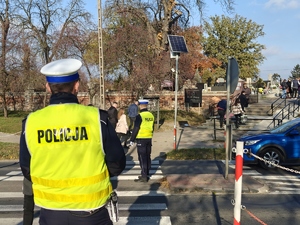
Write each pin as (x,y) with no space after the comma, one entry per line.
(244,101)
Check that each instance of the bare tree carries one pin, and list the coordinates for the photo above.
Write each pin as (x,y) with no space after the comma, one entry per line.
(161,16)
(6,46)
(47,20)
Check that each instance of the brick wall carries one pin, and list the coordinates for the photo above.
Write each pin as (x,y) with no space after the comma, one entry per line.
(31,101)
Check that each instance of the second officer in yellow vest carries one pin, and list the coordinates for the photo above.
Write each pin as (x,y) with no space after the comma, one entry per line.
(142,133)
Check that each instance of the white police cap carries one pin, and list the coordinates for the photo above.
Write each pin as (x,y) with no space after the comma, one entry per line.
(143,102)
(62,71)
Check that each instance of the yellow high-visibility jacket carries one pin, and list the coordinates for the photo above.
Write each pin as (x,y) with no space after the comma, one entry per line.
(146,128)
(67,166)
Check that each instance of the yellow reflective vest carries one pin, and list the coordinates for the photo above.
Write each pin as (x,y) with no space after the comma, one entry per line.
(146,128)
(67,166)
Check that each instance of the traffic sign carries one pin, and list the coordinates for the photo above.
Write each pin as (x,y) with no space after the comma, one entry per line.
(232,74)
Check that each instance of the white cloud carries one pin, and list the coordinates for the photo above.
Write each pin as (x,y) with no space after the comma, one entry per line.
(283,4)
(271,51)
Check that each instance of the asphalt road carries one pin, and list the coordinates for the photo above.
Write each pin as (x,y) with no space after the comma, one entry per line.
(147,204)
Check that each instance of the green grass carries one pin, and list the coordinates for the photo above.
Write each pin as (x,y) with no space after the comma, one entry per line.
(9,151)
(13,123)
(197,154)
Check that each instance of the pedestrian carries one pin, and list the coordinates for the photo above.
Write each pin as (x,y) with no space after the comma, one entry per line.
(132,113)
(295,87)
(289,88)
(113,114)
(221,106)
(28,202)
(142,133)
(69,152)
(283,88)
(122,127)
(243,100)
(247,92)
(237,111)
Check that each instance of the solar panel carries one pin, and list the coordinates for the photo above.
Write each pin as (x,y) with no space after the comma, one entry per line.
(177,44)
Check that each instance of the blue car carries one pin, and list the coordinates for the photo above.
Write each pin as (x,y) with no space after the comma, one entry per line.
(280,145)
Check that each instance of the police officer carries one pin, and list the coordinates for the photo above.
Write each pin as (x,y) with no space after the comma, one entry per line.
(69,151)
(142,133)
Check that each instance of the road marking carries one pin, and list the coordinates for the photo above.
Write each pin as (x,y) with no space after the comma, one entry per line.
(147,220)
(120,194)
(120,177)
(139,172)
(287,178)
(132,177)
(122,207)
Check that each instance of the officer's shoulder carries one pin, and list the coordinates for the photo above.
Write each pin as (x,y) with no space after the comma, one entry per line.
(24,119)
(103,115)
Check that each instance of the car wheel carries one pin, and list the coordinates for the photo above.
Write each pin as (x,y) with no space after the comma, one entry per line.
(272,155)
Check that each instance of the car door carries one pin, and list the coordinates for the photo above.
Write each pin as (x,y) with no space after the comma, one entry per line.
(293,143)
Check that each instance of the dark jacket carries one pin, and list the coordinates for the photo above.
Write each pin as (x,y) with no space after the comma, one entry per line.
(132,110)
(222,105)
(114,153)
(243,101)
(113,115)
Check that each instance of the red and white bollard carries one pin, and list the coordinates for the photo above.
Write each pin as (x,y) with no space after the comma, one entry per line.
(238,182)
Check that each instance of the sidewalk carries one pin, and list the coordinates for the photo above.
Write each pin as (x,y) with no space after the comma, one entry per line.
(203,175)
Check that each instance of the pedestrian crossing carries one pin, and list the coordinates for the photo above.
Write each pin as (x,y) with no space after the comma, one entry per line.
(143,207)
(277,184)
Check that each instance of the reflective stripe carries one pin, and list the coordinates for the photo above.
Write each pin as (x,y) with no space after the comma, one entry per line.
(73,197)
(71,182)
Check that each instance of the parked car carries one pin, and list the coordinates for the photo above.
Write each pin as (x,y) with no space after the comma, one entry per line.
(280,145)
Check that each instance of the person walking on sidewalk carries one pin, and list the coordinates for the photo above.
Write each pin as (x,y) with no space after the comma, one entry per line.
(243,100)
(247,91)
(122,127)
(113,114)
(69,152)
(132,113)
(221,106)
(142,132)
(295,87)
(237,111)
(284,87)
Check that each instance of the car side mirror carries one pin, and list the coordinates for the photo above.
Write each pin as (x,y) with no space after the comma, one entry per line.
(294,132)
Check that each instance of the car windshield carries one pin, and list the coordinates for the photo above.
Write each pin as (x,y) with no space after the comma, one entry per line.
(284,127)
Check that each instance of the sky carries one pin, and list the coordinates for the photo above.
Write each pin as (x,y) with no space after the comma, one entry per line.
(280,20)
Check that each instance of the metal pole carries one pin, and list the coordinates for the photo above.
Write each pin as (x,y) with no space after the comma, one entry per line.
(101,70)
(238,182)
(176,90)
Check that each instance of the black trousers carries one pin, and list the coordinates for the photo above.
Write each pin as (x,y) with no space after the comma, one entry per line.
(221,113)
(237,119)
(57,217)
(28,210)
(131,123)
(123,138)
(144,147)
